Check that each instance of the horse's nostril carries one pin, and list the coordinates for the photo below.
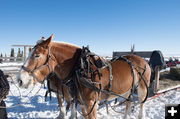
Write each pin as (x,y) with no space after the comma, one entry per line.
(20,82)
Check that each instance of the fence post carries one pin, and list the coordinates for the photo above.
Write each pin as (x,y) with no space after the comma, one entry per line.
(25,53)
(157,76)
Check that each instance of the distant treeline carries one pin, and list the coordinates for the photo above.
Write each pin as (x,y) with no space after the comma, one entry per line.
(19,56)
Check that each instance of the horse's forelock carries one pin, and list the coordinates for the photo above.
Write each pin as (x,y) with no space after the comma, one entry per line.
(39,41)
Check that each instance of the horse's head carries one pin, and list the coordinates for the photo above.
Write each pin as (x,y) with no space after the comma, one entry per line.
(39,58)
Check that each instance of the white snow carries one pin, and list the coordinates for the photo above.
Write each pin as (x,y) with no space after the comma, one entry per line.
(38,108)
(34,105)
(11,64)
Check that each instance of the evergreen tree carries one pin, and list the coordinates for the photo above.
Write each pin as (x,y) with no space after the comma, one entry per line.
(19,52)
(19,55)
(5,57)
(1,59)
(12,54)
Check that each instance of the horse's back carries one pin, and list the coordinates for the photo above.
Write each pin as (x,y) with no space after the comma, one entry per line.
(137,60)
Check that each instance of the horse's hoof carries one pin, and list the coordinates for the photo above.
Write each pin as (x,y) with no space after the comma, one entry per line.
(126,117)
(61,116)
(71,117)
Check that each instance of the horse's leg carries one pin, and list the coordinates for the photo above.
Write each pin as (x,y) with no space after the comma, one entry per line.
(141,94)
(83,109)
(128,106)
(61,107)
(89,107)
(73,111)
(128,110)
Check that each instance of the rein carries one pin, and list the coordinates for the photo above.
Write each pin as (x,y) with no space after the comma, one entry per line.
(21,104)
(24,102)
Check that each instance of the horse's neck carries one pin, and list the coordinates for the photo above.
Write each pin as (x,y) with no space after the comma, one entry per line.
(66,57)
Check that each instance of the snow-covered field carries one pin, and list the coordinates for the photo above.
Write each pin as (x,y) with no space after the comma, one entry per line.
(36,107)
(33,105)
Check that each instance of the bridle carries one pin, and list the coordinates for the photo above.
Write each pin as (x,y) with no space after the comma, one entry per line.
(46,64)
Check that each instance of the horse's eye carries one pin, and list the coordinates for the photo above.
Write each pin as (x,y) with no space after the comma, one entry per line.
(37,56)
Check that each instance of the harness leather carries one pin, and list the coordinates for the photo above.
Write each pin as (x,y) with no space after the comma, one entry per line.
(85,67)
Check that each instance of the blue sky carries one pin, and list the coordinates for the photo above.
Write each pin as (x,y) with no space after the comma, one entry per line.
(105,25)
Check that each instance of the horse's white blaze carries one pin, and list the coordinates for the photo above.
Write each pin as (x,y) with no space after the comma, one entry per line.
(24,75)
(26,63)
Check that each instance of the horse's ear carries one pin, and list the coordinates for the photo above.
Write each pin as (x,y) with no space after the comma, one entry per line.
(47,42)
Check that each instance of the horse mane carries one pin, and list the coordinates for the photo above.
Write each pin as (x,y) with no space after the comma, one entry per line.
(65,44)
(58,43)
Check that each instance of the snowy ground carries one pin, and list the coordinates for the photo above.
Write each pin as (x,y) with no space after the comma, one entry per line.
(36,107)
(10,67)
(10,63)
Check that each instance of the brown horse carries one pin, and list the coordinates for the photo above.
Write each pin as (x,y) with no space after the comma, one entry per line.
(54,85)
(62,58)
